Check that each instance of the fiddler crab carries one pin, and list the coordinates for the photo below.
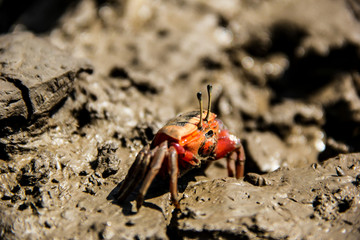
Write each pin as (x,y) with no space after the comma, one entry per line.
(184,143)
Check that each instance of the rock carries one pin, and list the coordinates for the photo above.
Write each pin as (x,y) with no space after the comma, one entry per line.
(313,201)
(256,179)
(107,162)
(265,150)
(12,104)
(35,76)
(290,112)
(341,101)
(340,98)
(145,82)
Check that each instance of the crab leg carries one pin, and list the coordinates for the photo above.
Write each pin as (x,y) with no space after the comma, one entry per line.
(174,173)
(135,174)
(240,162)
(231,163)
(153,171)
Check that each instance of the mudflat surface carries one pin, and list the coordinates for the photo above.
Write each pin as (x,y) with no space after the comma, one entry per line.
(78,102)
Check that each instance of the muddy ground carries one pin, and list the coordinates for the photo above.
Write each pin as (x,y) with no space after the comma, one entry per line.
(84,85)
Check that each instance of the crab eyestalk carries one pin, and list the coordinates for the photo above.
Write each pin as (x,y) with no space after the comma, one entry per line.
(199,96)
(209,88)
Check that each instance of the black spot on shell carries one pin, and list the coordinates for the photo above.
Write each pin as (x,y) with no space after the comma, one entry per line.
(181,124)
(190,115)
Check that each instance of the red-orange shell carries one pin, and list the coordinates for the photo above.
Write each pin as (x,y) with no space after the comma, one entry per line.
(184,124)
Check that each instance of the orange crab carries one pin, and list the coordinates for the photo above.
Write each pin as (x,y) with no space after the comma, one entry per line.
(185,142)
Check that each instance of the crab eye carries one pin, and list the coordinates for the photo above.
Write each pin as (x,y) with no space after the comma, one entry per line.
(209,134)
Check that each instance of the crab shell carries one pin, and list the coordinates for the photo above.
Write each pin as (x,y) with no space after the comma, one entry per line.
(184,125)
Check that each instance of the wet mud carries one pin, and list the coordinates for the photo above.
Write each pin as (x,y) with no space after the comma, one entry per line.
(81,94)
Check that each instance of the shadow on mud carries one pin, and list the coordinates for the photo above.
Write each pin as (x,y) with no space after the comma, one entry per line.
(157,188)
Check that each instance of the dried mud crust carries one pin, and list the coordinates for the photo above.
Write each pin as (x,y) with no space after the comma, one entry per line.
(285,79)
(283,206)
(35,77)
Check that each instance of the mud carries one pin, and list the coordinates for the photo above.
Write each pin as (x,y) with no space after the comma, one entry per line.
(80,98)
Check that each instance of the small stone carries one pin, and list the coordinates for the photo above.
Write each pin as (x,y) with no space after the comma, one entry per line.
(339,171)
(315,166)
(266,150)
(256,179)
(107,233)
(47,224)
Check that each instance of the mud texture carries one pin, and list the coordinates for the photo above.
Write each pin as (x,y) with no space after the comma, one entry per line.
(35,77)
(79,100)
(291,208)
